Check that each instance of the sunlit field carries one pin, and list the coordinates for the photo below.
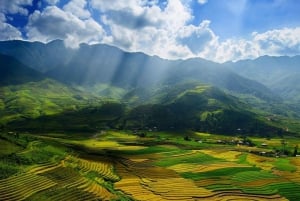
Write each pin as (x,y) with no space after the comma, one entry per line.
(115,165)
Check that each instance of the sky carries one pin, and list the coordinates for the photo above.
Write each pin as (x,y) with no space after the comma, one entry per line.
(217,30)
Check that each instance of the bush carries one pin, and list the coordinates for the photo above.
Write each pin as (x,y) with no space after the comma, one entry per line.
(7,169)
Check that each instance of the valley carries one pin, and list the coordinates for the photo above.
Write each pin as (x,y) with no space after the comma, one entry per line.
(74,126)
(120,165)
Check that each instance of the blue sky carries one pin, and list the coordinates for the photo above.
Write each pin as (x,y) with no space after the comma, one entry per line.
(218,30)
(240,18)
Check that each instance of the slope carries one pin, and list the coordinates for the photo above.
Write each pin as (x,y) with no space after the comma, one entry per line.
(102,64)
(34,99)
(191,105)
(13,72)
(272,72)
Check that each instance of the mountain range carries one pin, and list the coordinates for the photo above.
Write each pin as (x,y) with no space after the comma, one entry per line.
(45,84)
(280,74)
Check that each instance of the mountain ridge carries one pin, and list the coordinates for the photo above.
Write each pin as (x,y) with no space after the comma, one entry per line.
(92,64)
(132,83)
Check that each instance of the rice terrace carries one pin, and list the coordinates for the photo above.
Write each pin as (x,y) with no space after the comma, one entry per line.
(119,165)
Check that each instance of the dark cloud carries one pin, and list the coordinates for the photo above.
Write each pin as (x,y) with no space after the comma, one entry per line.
(129,20)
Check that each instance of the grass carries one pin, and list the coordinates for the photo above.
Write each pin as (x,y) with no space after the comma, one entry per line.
(8,168)
(286,189)
(284,164)
(7,147)
(79,173)
(200,158)
(40,152)
(149,150)
(242,159)
(248,176)
(50,98)
(223,172)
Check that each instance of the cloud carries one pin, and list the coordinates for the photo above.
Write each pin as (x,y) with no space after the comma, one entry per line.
(155,28)
(139,26)
(78,8)
(279,41)
(54,23)
(202,1)
(275,42)
(168,32)
(7,31)
(15,6)
(2,17)
(132,14)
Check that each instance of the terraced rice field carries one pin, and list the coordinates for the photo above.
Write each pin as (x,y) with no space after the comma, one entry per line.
(59,182)
(105,169)
(155,184)
(222,180)
(162,172)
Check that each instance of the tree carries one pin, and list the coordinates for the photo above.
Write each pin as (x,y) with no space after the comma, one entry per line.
(283,143)
(295,150)
(187,138)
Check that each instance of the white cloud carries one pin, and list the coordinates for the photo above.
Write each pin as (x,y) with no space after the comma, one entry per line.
(276,42)
(279,41)
(54,23)
(138,26)
(78,8)
(7,31)
(147,26)
(15,6)
(233,50)
(133,6)
(168,32)
(202,1)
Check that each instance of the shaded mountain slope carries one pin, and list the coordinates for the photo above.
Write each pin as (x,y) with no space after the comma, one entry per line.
(280,74)
(198,107)
(94,64)
(13,72)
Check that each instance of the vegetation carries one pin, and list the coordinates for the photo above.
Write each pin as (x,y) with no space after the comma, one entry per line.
(136,130)
(87,171)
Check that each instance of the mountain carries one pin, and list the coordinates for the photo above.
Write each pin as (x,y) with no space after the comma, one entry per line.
(280,74)
(13,72)
(39,56)
(184,106)
(217,75)
(195,106)
(49,87)
(102,64)
(40,98)
(288,86)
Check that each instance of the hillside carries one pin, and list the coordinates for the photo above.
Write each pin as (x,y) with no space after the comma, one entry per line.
(102,64)
(194,106)
(45,57)
(14,72)
(47,106)
(277,73)
(85,89)
(35,99)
